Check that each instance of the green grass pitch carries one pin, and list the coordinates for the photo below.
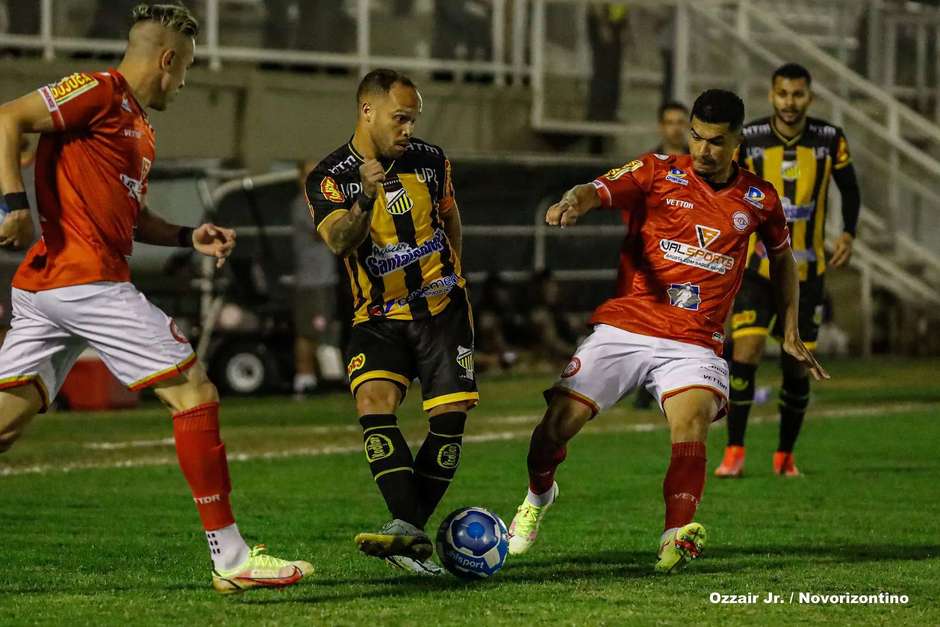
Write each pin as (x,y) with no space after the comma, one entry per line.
(97,526)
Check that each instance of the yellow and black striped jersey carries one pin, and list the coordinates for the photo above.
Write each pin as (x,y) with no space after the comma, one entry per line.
(800,170)
(405,269)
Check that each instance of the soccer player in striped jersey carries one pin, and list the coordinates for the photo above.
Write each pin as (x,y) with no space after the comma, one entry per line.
(799,155)
(384,201)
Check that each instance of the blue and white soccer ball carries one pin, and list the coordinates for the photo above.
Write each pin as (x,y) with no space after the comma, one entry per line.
(472,542)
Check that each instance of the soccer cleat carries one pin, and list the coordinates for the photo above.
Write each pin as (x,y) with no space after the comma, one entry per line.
(426,568)
(260,571)
(680,547)
(732,465)
(784,465)
(398,538)
(525,524)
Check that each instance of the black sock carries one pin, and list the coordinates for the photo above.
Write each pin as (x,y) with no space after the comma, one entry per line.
(391,464)
(794,399)
(437,461)
(742,397)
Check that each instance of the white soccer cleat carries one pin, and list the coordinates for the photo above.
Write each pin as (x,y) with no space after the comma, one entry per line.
(524,528)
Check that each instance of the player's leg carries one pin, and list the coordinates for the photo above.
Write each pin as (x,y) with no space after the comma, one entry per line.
(380,368)
(689,414)
(18,405)
(795,390)
(750,323)
(143,348)
(608,364)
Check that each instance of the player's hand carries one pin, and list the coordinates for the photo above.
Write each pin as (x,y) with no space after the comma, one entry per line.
(843,251)
(371,174)
(214,241)
(16,231)
(565,212)
(794,346)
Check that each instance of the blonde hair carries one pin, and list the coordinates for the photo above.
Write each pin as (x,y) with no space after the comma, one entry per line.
(175,17)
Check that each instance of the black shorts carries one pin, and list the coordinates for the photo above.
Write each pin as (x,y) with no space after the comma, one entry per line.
(755,309)
(437,350)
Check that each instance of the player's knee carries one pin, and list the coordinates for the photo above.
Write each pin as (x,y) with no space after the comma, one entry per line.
(190,389)
(377,398)
(564,419)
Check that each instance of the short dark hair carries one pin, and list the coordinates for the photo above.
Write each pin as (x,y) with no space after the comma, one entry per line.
(671,105)
(174,17)
(719,106)
(792,71)
(381,80)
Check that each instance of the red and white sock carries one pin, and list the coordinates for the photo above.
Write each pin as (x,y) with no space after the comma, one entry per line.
(684,483)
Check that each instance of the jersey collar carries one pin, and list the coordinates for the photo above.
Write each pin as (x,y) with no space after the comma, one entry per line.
(788,143)
(361,159)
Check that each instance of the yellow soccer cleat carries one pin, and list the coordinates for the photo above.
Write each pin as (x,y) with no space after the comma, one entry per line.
(680,547)
(396,537)
(260,571)
(524,528)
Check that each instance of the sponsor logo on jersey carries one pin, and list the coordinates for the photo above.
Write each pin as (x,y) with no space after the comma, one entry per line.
(741,220)
(437,287)
(355,363)
(616,173)
(789,170)
(796,213)
(677,176)
(465,361)
(572,368)
(398,202)
(748,316)
(842,152)
(331,190)
(71,87)
(135,188)
(685,296)
(132,132)
(696,256)
(449,456)
(821,152)
(718,337)
(706,235)
(824,131)
(755,197)
(394,257)
(676,202)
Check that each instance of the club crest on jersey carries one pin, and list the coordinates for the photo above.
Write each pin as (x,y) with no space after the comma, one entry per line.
(616,173)
(755,197)
(685,296)
(706,235)
(398,202)
(331,191)
(741,221)
(789,170)
(465,361)
(677,176)
(572,368)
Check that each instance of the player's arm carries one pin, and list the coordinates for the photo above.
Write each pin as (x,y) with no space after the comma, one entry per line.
(847,182)
(574,203)
(343,232)
(208,239)
(28,114)
(450,213)
(785,283)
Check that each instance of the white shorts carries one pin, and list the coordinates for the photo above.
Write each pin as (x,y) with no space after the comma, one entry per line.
(138,343)
(610,363)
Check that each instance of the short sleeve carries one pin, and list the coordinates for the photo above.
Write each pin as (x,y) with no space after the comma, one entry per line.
(324,196)
(625,187)
(448,201)
(841,156)
(78,101)
(773,231)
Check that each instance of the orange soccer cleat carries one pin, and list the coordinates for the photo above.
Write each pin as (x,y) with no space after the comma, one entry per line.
(784,466)
(732,465)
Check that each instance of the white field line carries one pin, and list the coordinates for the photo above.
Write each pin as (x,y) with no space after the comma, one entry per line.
(488,436)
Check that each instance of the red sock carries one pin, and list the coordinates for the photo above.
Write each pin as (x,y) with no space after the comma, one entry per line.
(684,483)
(202,458)
(544,458)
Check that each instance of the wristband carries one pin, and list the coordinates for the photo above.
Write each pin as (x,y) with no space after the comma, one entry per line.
(16,201)
(365,203)
(185,237)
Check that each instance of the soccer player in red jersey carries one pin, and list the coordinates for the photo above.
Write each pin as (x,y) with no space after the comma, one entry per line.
(688,218)
(73,289)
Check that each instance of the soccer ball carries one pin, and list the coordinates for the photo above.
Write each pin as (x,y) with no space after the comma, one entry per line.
(472,543)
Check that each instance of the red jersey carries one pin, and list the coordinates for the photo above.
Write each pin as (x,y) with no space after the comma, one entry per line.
(682,260)
(91,180)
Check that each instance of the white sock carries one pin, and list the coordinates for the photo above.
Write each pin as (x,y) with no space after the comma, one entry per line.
(304,382)
(227,548)
(541,500)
